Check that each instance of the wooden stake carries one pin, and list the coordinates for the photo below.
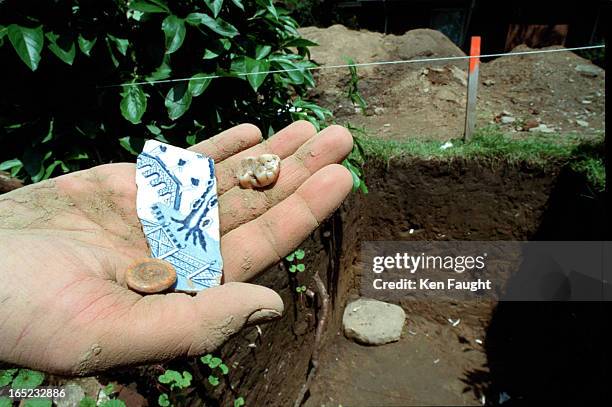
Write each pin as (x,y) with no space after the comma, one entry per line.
(472,89)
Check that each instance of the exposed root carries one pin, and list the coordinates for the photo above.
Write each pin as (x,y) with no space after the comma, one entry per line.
(314,359)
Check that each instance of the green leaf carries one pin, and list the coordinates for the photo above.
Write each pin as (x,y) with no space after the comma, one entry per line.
(214,380)
(6,376)
(114,59)
(62,46)
(270,7)
(252,68)
(170,376)
(156,131)
(157,6)
(295,73)
(198,83)
(299,42)
(162,72)
(185,380)
(262,51)
(238,4)
(120,43)
(109,389)
(7,165)
(290,257)
(38,403)
(299,254)
(27,379)
(133,104)
(178,100)
(132,144)
(206,359)
(113,403)
(214,6)
(224,369)
(354,173)
(214,362)
(86,45)
(163,400)
(49,170)
(217,48)
(292,268)
(174,30)
(218,25)
(301,267)
(191,139)
(87,402)
(28,43)
(6,402)
(239,402)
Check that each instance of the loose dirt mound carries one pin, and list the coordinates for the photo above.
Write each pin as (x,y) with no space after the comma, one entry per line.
(428,100)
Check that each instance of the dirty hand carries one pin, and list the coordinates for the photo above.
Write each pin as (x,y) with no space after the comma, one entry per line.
(65,244)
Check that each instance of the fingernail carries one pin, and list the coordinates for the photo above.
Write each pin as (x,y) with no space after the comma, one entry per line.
(263,315)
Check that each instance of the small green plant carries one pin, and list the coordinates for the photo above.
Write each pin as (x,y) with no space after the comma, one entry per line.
(176,382)
(22,379)
(356,161)
(353,87)
(216,366)
(294,258)
(300,289)
(108,391)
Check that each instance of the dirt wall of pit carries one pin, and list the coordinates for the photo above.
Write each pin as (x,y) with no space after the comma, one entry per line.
(409,199)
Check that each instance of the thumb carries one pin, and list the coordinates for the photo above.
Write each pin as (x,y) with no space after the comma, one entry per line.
(162,327)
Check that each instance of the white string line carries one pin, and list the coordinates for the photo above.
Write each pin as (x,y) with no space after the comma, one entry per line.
(363,64)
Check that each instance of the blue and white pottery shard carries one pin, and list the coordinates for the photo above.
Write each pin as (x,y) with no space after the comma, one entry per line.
(178,209)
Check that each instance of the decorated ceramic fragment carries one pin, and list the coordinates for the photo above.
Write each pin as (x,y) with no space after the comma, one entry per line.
(177,206)
(259,172)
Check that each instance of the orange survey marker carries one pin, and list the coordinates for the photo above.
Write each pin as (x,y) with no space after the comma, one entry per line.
(474,52)
(470,111)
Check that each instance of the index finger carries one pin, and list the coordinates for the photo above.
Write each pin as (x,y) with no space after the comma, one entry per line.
(229,142)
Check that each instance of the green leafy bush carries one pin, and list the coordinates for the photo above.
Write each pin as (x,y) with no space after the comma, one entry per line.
(76,87)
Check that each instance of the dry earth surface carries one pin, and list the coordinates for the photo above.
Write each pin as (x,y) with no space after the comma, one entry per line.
(427,100)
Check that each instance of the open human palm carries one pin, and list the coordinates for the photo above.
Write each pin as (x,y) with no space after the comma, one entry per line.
(65,244)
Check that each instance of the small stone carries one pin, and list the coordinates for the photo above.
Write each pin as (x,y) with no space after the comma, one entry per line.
(542,128)
(533,122)
(459,74)
(379,110)
(588,70)
(73,394)
(506,113)
(489,82)
(582,123)
(149,276)
(507,119)
(372,322)
(586,102)
(387,125)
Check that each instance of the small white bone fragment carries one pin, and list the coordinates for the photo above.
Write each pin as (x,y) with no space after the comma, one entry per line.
(259,172)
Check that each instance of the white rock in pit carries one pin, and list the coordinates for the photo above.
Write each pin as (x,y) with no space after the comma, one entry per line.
(372,322)
(588,70)
(73,394)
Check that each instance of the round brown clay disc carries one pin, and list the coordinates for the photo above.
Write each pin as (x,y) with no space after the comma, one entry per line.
(150,276)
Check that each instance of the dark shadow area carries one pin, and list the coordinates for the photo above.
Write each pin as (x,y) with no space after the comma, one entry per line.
(544,352)
(551,353)
(575,210)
